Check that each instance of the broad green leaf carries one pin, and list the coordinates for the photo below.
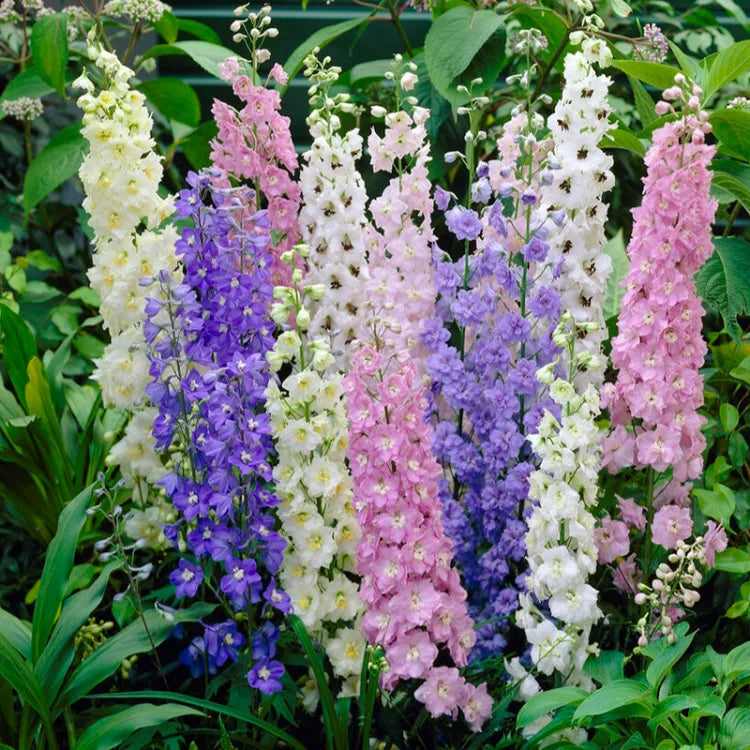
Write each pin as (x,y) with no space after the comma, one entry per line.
(547,702)
(320,38)
(613,695)
(49,46)
(643,102)
(733,560)
(197,145)
(198,29)
(373,70)
(615,248)
(19,348)
(734,730)
(218,708)
(16,278)
(57,567)
(167,27)
(205,54)
(6,243)
(17,632)
(670,705)
(113,730)
(738,659)
(728,65)
(688,64)
(463,44)
(27,83)
(607,666)
(174,98)
(718,504)
(729,416)
(40,291)
(133,639)
(663,663)
(625,139)
(57,162)
(734,179)
(732,128)
(737,449)
(722,282)
(654,74)
(87,295)
(621,8)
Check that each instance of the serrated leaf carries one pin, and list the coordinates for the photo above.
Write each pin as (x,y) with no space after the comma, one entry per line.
(732,128)
(174,98)
(205,54)
(722,282)
(625,139)
(49,47)
(734,179)
(643,102)
(198,29)
(58,161)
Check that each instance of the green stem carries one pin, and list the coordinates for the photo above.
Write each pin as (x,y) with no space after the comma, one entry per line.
(732,216)
(27,141)
(400,28)
(70,726)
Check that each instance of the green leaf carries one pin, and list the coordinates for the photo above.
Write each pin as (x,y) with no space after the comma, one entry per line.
(198,29)
(28,83)
(729,416)
(615,248)
(19,348)
(6,243)
(663,663)
(738,659)
(654,74)
(625,139)
(49,46)
(722,282)
(40,291)
(17,632)
(463,44)
(643,102)
(174,98)
(733,560)
(732,128)
(365,72)
(729,176)
(87,295)
(688,64)
(734,730)
(197,145)
(113,730)
(547,702)
(218,708)
(16,671)
(613,695)
(737,449)
(718,503)
(167,27)
(728,65)
(16,278)
(205,54)
(57,162)
(670,705)
(41,260)
(621,8)
(607,666)
(320,38)
(133,639)
(57,567)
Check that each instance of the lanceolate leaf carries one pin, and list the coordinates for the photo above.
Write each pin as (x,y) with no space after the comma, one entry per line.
(728,65)
(49,46)
(655,74)
(205,54)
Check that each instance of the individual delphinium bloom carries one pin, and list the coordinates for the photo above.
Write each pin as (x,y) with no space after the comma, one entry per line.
(496,311)
(121,176)
(254,143)
(578,125)
(309,427)
(658,351)
(332,218)
(208,337)
(415,603)
(560,606)
(399,238)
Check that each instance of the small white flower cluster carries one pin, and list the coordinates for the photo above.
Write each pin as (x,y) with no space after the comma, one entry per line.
(149,11)
(310,430)
(23,108)
(560,545)
(332,219)
(578,124)
(674,585)
(121,176)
